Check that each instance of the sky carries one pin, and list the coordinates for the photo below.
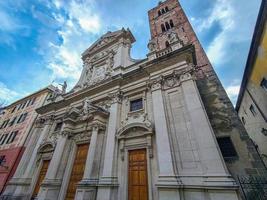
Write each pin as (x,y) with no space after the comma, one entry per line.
(41,41)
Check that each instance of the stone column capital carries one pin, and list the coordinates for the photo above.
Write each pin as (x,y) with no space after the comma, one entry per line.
(156,84)
(96,126)
(185,77)
(116,97)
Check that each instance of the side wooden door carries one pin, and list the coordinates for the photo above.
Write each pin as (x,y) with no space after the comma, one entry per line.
(41,177)
(77,170)
(137,175)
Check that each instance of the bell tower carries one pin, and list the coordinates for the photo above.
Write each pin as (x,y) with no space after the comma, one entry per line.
(169,24)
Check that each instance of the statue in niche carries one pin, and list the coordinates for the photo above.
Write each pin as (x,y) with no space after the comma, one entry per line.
(173,37)
(88,69)
(86,105)
(110,63)
(151,46)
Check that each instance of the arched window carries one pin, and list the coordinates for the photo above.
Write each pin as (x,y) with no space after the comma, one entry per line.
(162,11)
(166,9)
(171,23)
(163,28)
(167,44)
(167,26)
(183,29)
(159,13)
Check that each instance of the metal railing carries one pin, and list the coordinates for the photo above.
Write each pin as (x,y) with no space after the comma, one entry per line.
(253,188)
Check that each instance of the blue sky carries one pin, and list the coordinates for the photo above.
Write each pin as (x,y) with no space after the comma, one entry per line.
(42,40)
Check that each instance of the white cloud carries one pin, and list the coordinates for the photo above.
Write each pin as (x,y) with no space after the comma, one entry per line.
(7,95)
(232,90)
(79,25)
(237,25)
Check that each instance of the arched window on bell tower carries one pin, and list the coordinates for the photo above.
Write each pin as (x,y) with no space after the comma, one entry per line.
(171,23)
(163,28)
(166,9)
(159,13)
(167,26)
(162,10)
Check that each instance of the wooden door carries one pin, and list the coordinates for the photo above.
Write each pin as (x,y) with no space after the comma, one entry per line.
(137,175)
(77,170)
(41,177)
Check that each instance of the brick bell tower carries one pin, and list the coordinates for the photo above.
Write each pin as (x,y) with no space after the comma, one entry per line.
(168,23)
(170,29)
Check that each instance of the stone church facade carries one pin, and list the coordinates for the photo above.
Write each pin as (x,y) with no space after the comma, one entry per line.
(139,129)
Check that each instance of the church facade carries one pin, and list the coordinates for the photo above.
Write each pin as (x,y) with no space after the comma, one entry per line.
(139,129)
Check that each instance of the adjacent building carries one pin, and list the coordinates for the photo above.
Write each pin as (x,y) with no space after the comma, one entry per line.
(15,125)
(156,128)
(252,99)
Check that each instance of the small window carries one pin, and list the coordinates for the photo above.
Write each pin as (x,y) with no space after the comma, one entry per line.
(136,105)
(22,117)
(252,110)
(264,83)
(159,13)
(171,24)
(58,126)
(227,147)
(13,110)
(12,137)
(163,28)
(2,160)
(13,121)
(243,120)
(166,9)
(5,123)
(24,104)
(162,11)
(33,100)
(3,139)
(167,25)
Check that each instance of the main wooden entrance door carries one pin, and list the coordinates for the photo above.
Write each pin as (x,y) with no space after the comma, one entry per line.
(137,175)
(41,177)
(77,170)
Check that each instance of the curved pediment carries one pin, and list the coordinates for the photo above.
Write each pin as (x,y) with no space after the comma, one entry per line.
(134,130)
(46,147)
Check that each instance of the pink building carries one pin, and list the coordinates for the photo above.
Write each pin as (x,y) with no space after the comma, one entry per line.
(15,127)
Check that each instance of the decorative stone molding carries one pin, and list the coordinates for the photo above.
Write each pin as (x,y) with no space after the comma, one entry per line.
(132,132)
(39,122)
(49,120)
(116,97)
(96,126)
(156,84)
(81,137)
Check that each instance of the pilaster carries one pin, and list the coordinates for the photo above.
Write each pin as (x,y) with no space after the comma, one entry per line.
(108,179)
(86,188)
(166,176)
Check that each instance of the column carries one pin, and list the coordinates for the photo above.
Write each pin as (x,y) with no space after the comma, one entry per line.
(56,159)
(166,177)
(51,187)
(91,153)
(108,179)
(87,187)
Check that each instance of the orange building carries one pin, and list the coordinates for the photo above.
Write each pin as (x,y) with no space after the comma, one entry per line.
(15,126)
